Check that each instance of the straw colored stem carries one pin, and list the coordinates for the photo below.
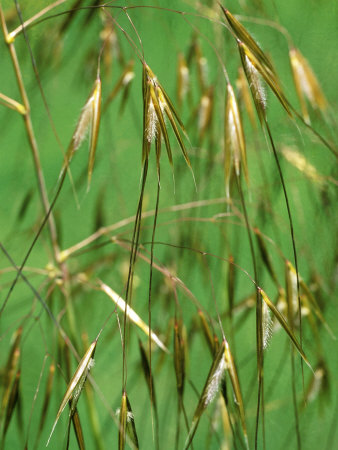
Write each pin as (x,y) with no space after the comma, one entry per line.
(122,223)
(31,137)
(13,34)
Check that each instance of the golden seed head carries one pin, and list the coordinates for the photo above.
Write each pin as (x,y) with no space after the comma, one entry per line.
(306,82)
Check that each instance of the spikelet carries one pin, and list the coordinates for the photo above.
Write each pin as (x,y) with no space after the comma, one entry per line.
(76,384)
(311,301)
(291,293)
(255,60)
(244,36)
(211,387)
(222,362)
(306,83)
(123,83)
(205,109)
(253,66)
(127,429)
(202,65)
(281,319)
(255,83)
(182,79)
(89,122)
(267,325)
(156,104)
(235,151)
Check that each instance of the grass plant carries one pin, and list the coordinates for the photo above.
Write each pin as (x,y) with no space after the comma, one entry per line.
(202,280)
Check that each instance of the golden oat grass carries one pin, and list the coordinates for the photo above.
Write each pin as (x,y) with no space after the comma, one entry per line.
(76,384)
(127,428)
(223,361)
(235,149)
(311,300)
(183,79)
(156,106)
(299,161)
(283,322)
(89,122)
(211,388)
(307,84)
(123,84)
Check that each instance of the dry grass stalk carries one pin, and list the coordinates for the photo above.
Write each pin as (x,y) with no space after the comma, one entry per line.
(235,150)
(13,104)
(75,418)
(13,34)
(76,384)
(306,83)
(131,314)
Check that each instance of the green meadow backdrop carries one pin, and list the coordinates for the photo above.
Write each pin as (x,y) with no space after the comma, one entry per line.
(144,206)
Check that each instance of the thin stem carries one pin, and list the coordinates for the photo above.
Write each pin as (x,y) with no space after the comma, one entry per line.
(13,34)
(259,329)
(149,303)
(31,138)
(122,223)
